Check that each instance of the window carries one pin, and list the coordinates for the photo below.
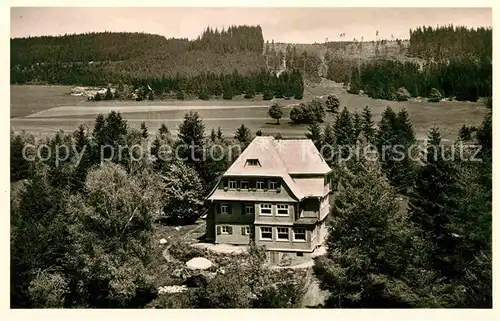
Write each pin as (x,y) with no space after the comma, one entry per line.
(282,209)
(249,209)
(260,185)
(273,184)
(244,184)
(232,184)
(266,233)
(253,162)
(224,209)
(226,229)
(299,234)
(245,230)
(265,209)
(283,233)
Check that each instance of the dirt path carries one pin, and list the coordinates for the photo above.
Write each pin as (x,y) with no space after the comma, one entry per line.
(314,296)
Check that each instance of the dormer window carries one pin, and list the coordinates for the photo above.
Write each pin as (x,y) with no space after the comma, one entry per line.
(252,162)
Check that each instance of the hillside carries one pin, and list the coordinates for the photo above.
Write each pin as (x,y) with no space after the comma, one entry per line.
(114,57)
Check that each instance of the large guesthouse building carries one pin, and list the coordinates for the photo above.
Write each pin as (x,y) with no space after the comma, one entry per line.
(277,189)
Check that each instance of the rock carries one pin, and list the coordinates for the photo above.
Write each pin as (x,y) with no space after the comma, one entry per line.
(172,289)
(163,241)
(199,263)
(177,228)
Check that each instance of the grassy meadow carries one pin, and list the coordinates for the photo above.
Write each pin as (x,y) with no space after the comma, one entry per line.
(43,110)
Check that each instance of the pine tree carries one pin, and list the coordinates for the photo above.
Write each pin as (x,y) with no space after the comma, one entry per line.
(219,133)
(314,134)
(433,204)
(163,131)
(357,124)
(367,246)
(344,128)
(144,131)
(394,138)
(329,143)
(213,135)
(367,127)
(332,104)
(192,130)
(243,135)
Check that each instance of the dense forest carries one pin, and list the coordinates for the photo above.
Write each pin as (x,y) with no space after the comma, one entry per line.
(458,63)
(126,58)
(447,42)
(404,233)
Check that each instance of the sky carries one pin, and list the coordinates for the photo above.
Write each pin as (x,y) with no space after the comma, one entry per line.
(295,25)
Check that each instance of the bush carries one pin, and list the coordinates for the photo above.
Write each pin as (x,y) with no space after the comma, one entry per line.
(184,252)
(308,114)
(180,95)
(435,95)
(299,96)
(332,103)
(203,95)
(402,94)
(258,132)
(249,95)
(227,95)
(183,300)
(268,95)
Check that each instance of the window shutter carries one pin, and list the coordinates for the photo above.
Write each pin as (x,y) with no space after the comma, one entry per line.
(218,230)
(243,231)
(230,229)
(229,209)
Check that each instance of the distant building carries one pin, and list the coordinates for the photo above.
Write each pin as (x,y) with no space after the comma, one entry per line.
(277,190)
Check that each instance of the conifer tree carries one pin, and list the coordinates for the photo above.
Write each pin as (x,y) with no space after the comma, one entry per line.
(144,131)
(213,135)
(163,131)
(344,128)
(367,128)
(243,135)
(314,134)
(366,222)
(357,124)
(332,104)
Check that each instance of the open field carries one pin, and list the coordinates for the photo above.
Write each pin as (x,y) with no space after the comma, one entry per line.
(28,99)
(52,110)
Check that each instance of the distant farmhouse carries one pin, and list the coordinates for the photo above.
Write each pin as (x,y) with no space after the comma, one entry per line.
(277,190)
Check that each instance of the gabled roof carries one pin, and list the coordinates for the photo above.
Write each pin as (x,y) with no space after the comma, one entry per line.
(282,158)
(312,187)
(301,156)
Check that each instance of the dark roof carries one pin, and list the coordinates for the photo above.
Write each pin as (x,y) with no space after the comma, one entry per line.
(305,221)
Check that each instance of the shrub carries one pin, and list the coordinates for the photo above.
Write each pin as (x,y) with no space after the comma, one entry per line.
(332,103)
(402,94)
(184,252)
(203,95)
(227,95)
(249,95)
(435,95)
(268,95)
(258,132)
(180,95)
(307,114)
